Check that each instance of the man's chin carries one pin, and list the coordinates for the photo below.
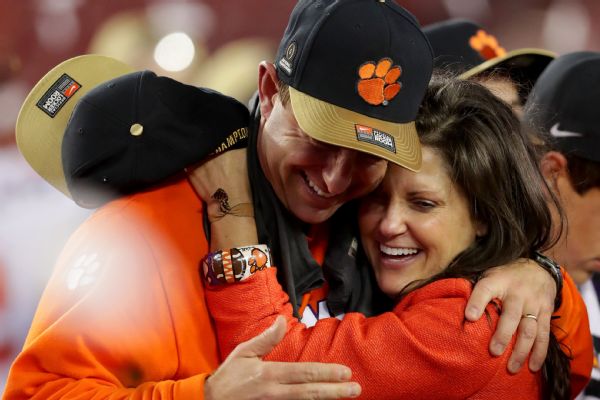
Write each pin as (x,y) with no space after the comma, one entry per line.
(313,216)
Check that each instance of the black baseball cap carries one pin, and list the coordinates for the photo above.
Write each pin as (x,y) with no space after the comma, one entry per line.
(564,104)
(96,130)
(466,48)
(357,72)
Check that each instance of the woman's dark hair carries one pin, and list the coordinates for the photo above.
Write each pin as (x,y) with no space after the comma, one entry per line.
(490,159)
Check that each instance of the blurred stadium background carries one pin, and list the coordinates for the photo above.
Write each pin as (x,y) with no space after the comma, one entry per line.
(214,43)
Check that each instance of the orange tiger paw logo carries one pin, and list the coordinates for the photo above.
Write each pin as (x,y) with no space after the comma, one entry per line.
(378,83)
(486,45)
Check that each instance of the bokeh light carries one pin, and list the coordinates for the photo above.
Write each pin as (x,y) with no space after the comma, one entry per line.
(174,52)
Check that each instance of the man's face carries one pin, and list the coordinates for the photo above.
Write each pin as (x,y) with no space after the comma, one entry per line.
(311,178)
(579,247)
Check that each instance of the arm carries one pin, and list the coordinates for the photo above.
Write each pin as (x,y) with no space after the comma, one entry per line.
(524,287)
(103,328)
(394,355)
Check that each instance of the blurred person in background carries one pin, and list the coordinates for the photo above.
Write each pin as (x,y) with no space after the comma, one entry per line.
(470,51)
(563,108)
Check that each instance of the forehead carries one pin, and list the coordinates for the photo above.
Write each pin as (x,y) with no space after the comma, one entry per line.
(434,174)
(503,88)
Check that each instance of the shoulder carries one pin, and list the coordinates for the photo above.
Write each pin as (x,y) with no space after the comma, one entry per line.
(138,235)
(445,294)
(441,305)
(170,210)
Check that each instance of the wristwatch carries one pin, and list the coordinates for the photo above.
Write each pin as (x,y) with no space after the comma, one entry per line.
(554,269)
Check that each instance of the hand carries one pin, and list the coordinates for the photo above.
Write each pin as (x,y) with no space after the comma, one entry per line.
(243,375)
(524,288)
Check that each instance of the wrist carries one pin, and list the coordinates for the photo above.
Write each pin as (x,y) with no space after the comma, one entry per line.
(235,264)
(555,272)
(224,203)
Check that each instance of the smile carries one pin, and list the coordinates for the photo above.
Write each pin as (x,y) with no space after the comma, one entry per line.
(316,189)
(397,251)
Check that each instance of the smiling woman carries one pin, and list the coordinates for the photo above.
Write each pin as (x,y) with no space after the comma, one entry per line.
(478,202)
(407,221)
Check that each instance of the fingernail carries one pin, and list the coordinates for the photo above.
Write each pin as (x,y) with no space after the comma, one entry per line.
(354,390)
(345,374)
(472,312)
(534,367)
(497,348)
(515,366)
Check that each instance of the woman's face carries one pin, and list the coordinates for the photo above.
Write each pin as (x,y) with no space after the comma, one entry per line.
(414,224)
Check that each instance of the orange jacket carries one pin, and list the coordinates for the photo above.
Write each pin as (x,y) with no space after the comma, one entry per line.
(123,316)
(424,349)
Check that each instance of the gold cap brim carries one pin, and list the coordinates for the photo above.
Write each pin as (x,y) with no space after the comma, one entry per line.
(338,126)
(39,136)
(496,61)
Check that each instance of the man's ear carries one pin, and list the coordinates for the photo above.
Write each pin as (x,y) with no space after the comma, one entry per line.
(553,166)
(268,87)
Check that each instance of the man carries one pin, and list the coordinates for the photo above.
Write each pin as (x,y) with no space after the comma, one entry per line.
(466,48)
(563,106)
(124,316)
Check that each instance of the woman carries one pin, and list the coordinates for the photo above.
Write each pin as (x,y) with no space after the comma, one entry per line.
(478,202)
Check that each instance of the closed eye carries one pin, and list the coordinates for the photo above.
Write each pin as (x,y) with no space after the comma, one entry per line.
(424,205)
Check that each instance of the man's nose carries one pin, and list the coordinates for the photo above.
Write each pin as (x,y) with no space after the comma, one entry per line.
(339,169)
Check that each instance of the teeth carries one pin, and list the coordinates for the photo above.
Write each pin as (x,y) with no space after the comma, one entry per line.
(316,189)
(397,251)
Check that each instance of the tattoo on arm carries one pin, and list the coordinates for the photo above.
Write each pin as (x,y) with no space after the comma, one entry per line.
(237,210)
(221,196)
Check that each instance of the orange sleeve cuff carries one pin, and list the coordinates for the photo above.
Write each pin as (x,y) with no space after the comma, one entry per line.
(190,388)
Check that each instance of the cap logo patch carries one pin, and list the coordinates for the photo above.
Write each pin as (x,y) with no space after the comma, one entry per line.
(57,96)
(486,45)
(288,58)
(559,133)
(378,83)
(376,137)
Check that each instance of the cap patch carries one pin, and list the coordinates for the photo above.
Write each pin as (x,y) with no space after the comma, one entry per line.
(559,133)
(58,95)
(376,137)
(486,45)
(378,83)
(288,58)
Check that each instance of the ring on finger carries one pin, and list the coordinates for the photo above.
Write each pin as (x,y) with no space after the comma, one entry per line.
(530,316)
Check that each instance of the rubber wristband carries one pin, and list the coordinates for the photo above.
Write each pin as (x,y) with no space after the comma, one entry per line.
(235,264)
(554,269)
